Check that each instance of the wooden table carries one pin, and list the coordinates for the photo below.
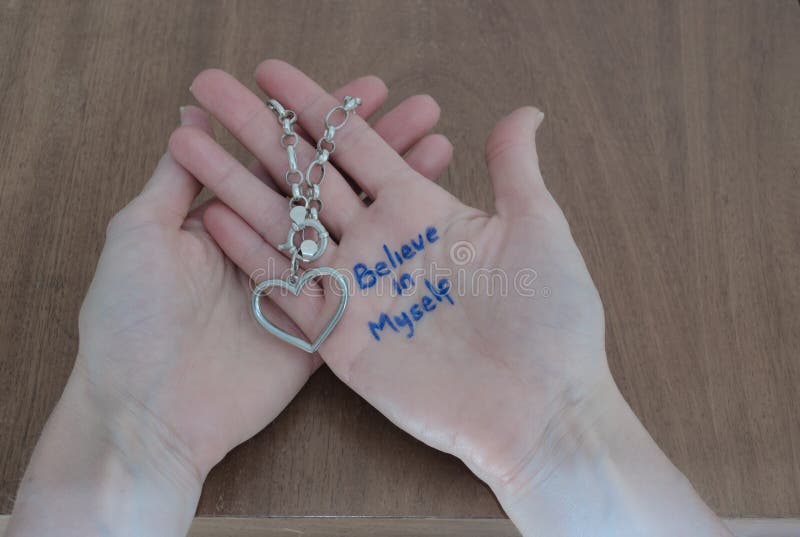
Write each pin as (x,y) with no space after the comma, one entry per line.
(672,141)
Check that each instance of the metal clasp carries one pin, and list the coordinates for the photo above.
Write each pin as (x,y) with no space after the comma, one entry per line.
(309,250)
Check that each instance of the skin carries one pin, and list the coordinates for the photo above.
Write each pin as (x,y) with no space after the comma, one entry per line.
(172,371)
(516,386)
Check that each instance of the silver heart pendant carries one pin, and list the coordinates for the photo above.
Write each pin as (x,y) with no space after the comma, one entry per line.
(295,288)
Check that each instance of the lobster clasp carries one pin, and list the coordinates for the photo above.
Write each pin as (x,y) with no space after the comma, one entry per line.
(309,250)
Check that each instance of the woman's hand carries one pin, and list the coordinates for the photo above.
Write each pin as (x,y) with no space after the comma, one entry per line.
(172,370)
(482,375)
(510,377)
(166,327)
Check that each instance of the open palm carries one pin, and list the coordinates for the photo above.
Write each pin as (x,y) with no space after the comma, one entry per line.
(164,333)
(469,365)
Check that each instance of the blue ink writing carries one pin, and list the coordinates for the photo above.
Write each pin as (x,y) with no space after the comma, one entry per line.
(404,282)
(405,322)
(383,321)
(367,277)
(381,269)
(364,276)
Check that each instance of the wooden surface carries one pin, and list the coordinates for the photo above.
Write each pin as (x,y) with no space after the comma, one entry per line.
(672,140)
(413,527)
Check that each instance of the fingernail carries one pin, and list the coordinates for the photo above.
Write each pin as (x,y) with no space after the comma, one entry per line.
(182,114)
(539,120)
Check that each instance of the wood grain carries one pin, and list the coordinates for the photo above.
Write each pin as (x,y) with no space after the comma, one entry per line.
(671,140)
(413,527)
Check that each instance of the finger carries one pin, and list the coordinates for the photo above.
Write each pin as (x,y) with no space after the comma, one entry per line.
(370,89)
(252,123)
(309,310)
(194,220)
(431,156)
(405,128)
(262,208)
(360,151)
(402,127)
(257,169)
(260,261)
(513,163)
(374,94)
(171,190)
(193,116)
(405,124)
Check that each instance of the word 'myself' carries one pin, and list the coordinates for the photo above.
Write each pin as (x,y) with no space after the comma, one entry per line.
(405,322)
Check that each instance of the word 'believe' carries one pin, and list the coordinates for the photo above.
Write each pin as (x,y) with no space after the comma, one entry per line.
(367,277)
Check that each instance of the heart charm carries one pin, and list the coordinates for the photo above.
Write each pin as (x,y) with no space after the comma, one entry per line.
(295,288)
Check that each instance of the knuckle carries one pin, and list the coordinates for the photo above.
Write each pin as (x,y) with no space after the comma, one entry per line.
(352,136)
(497,147)
(256,117)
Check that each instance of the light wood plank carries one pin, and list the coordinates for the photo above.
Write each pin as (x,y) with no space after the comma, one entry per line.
(417,527)
(670,141)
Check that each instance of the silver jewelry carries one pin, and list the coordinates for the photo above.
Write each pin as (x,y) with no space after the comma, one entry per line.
(304,208)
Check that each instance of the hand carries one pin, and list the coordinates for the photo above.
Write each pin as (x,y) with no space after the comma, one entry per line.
(172,371)
(477,372)
(515,385)
(166,327)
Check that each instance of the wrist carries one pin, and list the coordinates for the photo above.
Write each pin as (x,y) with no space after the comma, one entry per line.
(130,433)
(597,471)
(574,432)
(101,467)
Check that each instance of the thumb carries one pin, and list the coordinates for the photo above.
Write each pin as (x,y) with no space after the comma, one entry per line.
(513,163)
(171,190)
